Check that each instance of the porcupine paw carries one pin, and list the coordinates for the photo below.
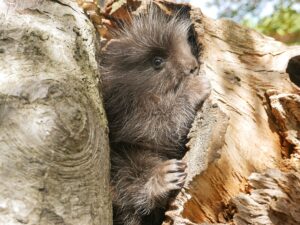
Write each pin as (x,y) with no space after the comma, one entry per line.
(171,174)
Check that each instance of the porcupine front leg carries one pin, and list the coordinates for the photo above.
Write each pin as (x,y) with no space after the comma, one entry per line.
(141,183)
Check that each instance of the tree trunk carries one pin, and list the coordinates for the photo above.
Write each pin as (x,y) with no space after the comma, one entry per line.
(54,161)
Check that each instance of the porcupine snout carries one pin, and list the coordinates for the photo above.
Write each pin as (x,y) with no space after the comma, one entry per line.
(191,66)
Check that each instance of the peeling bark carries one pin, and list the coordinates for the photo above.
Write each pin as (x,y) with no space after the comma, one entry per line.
(54,160)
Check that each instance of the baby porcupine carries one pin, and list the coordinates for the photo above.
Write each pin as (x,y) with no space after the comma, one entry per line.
(151,92)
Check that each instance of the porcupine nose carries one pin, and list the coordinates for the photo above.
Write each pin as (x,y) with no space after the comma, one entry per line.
(191,67)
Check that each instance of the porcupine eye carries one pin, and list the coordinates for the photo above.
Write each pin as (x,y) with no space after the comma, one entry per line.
(158,62)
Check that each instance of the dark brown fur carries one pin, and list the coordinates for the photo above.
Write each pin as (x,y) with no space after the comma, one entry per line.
(150,111)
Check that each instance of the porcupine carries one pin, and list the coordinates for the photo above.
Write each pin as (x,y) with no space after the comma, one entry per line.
(152,90)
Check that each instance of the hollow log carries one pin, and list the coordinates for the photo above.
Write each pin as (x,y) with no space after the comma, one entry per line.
(249,125)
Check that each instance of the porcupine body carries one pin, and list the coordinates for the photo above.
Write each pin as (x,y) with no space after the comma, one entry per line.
(151,91)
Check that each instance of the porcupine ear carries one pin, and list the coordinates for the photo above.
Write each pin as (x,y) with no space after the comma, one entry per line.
(182,13)
(136,21)
(112,48)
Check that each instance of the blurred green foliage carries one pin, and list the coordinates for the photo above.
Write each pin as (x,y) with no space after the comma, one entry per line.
(283,23)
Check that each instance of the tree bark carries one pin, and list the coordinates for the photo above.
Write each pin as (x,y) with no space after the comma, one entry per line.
(249,124)
(54,161)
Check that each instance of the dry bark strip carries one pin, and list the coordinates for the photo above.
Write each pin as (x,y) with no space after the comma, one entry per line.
(54,158)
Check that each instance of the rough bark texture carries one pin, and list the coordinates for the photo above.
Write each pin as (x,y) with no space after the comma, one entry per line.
(274,199)
(250,123)
(53,138)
